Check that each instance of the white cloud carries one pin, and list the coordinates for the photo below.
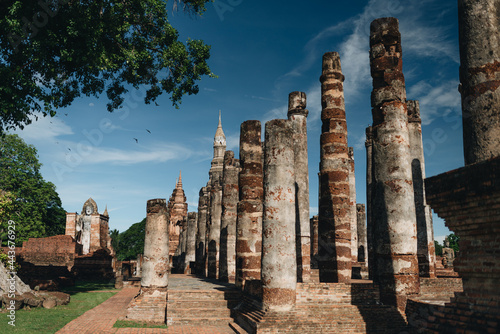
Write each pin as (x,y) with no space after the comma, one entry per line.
(44,129)
(435,100)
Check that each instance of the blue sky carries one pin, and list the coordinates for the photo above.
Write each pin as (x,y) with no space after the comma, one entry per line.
(261,52)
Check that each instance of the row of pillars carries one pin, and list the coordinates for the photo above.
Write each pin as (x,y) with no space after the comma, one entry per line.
(253,220)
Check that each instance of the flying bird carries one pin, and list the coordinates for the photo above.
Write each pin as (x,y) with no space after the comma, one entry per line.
(148,131)
(157,104)
(69,149)
(136,140)
(65,114)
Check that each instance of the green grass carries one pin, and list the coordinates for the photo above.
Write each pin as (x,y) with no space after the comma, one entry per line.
(135,324)
(47,321)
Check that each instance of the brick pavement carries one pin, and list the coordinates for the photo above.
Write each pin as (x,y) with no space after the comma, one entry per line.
(101,318)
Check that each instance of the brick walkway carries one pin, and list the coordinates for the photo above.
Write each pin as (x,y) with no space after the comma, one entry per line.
(101,318)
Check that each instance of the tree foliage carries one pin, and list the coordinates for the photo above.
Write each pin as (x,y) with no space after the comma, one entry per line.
(130,243)
(454,239)
(438,248)
(35,206)
(53,51)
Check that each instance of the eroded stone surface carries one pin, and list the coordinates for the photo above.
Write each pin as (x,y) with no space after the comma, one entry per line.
(334,226)
(279,267)
(249,221)
(392,197)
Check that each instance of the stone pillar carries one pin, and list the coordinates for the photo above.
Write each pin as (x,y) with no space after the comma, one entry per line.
(201,255)
(479,40)
(314,241)
(151,302)
(352,205)
(334,226)
(191,242)
(279,266)
(393,203)
(227,263)
(362,240)
(249,223)
(214,229)
(369,181)
(297,114)
(425,233)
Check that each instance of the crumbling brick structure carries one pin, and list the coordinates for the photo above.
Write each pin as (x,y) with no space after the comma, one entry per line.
(392,195)
(249,221)
(334,226)
(151,303)
(297,114)
(177,211)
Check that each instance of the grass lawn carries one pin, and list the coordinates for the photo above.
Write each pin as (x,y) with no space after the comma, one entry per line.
(44,321)
(135,324)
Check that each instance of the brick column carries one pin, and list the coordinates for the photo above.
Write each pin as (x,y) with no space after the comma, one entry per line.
(191,242)
(479,40)
(151,302)
(369,181)
(393,203)
(249,221)
(352,205)
(213,243)
(362,240)
(297,114)
(334,226)
(227,263)
(201,255)
(314,241)
(425,233)
(279,266)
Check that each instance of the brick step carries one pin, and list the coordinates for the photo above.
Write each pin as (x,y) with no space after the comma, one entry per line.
(207,321)
(198,312)
(203,295)
(213,304)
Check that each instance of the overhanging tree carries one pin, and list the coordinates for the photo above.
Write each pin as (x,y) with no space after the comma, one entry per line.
(35,206)
(53,51)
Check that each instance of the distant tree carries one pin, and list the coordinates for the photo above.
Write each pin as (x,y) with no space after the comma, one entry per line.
(53,51)
(438,248)
(36,207)
(131,241)
(454,239)
(115,239)
(6,210)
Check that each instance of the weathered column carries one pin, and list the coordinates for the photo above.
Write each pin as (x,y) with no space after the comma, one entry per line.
(151,302)
(334,225)
(201,233)
(279,267)
(362,241)
(352,206)
(297,114)
(393,203)
(425,233)
(207,228)
(314,241)
(227,263)
(369,181)
(214,229)
(479,40)
(191,242)
(249,223)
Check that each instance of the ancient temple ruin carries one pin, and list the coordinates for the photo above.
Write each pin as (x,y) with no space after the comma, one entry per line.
(355,267)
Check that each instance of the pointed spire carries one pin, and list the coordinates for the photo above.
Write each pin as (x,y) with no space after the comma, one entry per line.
(220,138)
(105,213)
(179,183)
